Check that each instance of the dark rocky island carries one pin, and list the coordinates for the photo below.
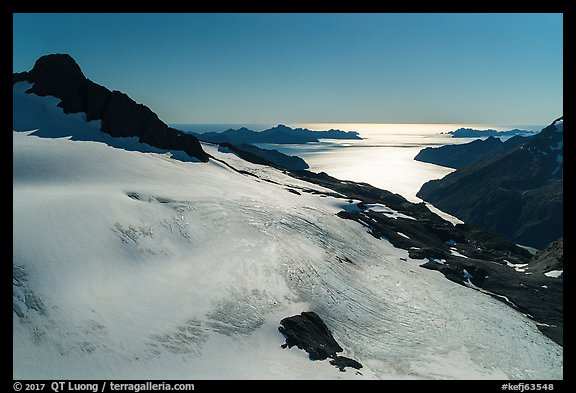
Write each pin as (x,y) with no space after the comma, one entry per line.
(60,76)
(308,331)
(472,133)
(280,134)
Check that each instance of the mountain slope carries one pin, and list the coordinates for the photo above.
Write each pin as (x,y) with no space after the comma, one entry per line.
(459,156)
(273,158)
(60,76)
(518,195)
(124,268)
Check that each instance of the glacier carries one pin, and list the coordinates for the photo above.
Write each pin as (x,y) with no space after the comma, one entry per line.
(139,265)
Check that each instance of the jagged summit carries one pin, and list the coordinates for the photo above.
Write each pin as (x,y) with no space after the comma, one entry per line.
(60,76)
(282,127)
(57,74)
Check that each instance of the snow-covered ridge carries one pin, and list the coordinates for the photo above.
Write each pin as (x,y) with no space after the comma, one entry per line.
(137,265)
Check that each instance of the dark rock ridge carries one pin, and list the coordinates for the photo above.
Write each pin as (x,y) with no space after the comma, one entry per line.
(458,156)
(463,253)
(517,195)
(308,331)
(60,76)
(280,134)
(472,133)
(268,157)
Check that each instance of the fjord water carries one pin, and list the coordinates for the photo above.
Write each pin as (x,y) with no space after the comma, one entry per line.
(384,157)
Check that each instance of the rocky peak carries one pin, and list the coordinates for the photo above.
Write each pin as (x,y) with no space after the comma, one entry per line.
(60,76)
(55,65)
(282,127)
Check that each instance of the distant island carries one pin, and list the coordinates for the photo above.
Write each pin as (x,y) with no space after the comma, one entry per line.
(472,133)
(280,134)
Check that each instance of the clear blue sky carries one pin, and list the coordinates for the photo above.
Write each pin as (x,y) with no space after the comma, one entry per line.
(291,68)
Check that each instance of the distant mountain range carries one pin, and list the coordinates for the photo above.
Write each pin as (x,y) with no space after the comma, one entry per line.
(472,133)
(280,134)
(514,190)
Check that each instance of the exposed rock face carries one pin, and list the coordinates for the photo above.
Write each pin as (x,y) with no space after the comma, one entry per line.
(342,362)
(307,331)
(550,258)
(518,195)
(60,76)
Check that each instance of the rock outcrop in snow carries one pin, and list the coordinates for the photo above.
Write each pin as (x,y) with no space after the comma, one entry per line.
(60,76)
(308,331)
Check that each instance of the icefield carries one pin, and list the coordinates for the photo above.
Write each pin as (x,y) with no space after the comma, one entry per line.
(138,265)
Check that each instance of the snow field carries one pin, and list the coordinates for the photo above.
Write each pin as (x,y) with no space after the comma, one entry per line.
(134,264)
